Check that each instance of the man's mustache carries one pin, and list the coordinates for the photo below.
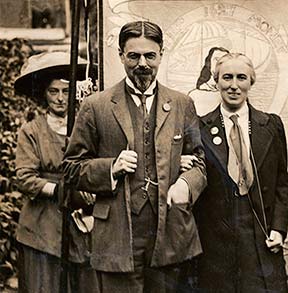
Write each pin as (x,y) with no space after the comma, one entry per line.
(143,71)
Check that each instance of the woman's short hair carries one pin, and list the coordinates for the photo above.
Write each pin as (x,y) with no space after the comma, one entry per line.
(230,56)
(140,28)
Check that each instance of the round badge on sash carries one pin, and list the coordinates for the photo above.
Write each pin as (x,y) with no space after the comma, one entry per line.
(214,130)
(217,140)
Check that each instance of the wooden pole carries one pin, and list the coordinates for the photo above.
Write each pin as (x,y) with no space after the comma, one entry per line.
(68,18)
(100,40)
(73,62)
(65,198)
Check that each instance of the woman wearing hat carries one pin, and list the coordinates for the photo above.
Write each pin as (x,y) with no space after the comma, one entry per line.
(40,148)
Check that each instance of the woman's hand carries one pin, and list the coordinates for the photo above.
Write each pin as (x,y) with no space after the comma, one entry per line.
(275,241)
(187,162)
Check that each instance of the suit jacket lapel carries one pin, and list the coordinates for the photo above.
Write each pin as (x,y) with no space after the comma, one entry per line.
(261,136)
(121,113)
(163,108)
(215,142)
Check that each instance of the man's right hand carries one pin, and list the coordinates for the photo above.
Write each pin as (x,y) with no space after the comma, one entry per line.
(125,163)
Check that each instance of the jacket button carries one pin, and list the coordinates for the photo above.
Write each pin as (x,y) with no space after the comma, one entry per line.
(144,195)
(265,188)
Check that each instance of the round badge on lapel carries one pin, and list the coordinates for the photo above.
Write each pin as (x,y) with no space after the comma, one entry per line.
(214,130)
(166,107)
(217,140)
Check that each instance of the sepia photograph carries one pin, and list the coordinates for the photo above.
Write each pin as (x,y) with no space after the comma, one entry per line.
(143,146)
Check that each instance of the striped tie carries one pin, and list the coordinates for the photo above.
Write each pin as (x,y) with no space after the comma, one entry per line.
(239,164)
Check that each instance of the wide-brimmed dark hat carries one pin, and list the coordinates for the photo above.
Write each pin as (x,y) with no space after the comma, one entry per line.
(46,66)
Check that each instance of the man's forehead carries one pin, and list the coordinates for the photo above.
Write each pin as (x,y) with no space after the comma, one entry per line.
(141,45)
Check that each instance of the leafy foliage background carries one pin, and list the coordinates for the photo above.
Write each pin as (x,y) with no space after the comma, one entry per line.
(14,110)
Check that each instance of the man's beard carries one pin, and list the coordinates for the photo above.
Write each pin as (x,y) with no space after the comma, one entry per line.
(143,78)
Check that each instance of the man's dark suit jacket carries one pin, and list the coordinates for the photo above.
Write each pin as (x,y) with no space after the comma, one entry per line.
(102,130)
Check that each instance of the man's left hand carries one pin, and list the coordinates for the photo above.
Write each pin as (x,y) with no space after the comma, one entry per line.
(275,241)
(178,192)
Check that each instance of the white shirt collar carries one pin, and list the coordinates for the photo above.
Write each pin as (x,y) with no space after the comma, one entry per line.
(243,120)
(149,92)
(57,123)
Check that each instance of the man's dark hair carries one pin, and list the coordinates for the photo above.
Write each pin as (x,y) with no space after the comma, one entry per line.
(137,29)
(206,73)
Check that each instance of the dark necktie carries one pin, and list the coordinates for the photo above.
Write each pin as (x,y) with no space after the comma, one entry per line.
(239,164)
(142,98)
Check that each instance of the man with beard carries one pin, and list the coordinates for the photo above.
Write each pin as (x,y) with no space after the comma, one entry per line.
(126,147)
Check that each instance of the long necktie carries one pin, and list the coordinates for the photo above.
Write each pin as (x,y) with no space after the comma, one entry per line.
(142,98)
(239,164)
